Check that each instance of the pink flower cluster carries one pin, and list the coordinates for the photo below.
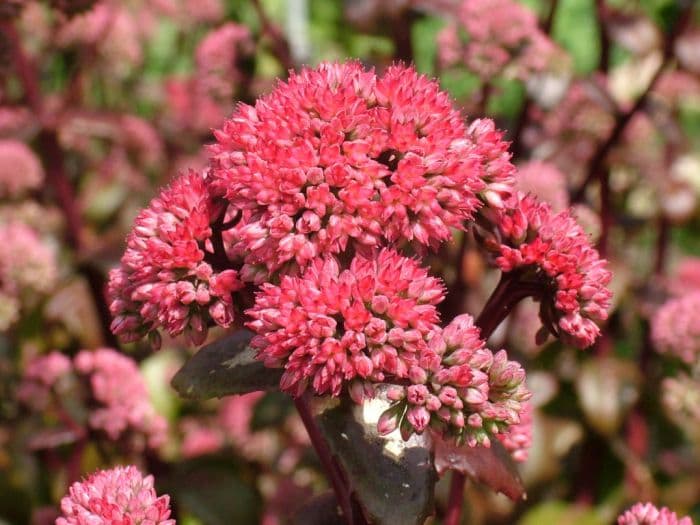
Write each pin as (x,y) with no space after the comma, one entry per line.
(329,326)
(28,269)
(20,169)
(459,388)
(164,280)
(503,37)
(117,400)
(675,327)
(120,496)
(337,156)
(648,514)
(552,253)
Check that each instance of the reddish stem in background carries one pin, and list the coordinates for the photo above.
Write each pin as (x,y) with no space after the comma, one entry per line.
(596,165)
(54,165)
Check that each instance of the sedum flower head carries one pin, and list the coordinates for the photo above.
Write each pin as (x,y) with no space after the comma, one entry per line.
(331,326)
(553,255)
(120,496)
(339,156)
(648,514)
(675,327)
(459,388)
(164,280)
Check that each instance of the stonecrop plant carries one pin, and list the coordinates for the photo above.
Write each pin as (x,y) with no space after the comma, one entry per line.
(365,262)
(310,228)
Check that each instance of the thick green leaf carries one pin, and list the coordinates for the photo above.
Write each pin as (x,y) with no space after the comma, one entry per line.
(225,367)
(392,480)
(491,466)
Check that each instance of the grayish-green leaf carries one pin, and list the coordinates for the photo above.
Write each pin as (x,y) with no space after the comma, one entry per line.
(225,367)
(392,480)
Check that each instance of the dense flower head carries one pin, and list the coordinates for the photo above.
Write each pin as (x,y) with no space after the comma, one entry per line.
(552,254)
(675,327)
(648,514)
(338,156)
(331,326)
(459,388)
(120,399)
(503,37)
(20,169)
(119,496)
(164,280)
(27,267)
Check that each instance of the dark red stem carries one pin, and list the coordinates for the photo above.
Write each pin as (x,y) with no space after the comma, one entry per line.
(333,471)
(596,165)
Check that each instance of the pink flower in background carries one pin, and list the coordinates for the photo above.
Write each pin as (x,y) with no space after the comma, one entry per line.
(544,181)
(648,514)
(114,29)
(199,438)
(39,377)
(675,327)
(553,255)
(460,389)
(216,58)
(20,169)
(164,280)
(686,277)
(121,495)
(331,326)
(121,402)
(337,156)
(503,36)
(28,270)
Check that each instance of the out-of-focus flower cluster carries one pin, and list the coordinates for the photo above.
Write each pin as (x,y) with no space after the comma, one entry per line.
(496,37)
(109,387)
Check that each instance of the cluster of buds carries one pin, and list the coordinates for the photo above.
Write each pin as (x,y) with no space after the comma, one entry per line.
(120,495)
(554,262)
(459,389)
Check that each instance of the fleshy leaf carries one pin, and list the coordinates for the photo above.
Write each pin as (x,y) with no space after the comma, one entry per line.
(491,466)
(225,367)
(392,480)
